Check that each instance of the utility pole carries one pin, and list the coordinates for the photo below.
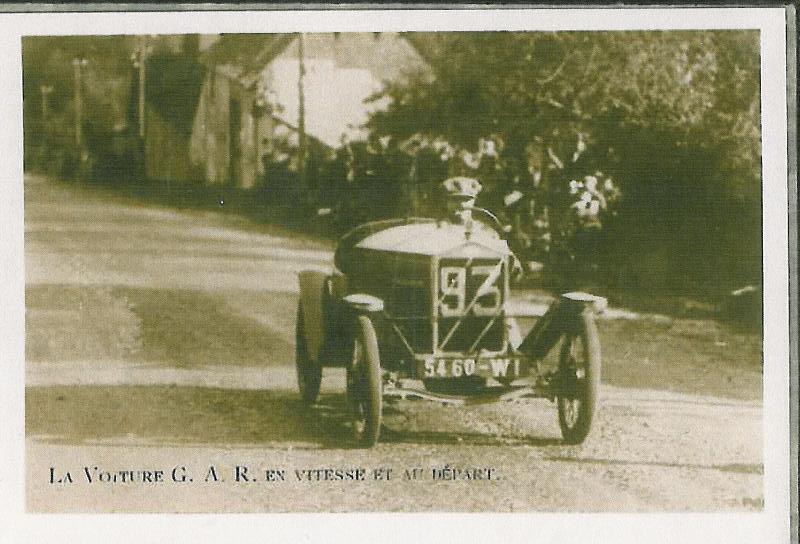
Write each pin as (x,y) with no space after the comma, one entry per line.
(44,126)
(46,90)
(301,114)
(142,74)
(77,65)
(139,59)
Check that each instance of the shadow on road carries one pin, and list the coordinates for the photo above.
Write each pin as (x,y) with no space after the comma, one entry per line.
(176,415)
(185,328)
(191,328)
(200,416)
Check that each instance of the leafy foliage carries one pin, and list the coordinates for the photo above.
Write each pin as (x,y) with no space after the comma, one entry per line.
(673,116)
(47,60)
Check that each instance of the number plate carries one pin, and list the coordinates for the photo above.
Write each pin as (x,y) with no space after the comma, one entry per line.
(488,367)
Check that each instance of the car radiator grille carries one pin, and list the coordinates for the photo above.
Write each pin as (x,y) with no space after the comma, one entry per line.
(409,301)
(405,283)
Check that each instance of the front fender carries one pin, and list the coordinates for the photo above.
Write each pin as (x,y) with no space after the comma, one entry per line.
(313,290)
(362,303)
(561,318)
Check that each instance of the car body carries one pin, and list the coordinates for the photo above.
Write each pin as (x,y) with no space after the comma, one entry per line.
(417,308)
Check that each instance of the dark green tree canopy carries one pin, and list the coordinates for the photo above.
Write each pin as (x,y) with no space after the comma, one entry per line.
(674,116)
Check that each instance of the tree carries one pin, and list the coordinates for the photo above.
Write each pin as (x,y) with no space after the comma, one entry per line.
(47,60)
(673,116)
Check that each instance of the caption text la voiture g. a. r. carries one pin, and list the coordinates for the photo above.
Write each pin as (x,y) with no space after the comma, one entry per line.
(180,474)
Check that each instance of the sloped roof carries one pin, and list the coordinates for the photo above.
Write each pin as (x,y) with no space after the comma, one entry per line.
(254,51)
(250,51)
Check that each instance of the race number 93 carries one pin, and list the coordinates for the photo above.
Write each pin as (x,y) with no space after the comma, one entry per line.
(453,296)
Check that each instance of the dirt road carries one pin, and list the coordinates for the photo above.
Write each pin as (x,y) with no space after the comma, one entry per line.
(159,340)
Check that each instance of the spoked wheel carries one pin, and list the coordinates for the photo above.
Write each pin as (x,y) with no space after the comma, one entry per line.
(309,371)
(364,391)
(579,380)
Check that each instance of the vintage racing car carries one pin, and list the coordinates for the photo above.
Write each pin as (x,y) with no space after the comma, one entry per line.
(417,308)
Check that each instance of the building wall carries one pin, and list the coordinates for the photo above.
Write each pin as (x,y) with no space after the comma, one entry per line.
(210,143)
(209,139)
(166,151)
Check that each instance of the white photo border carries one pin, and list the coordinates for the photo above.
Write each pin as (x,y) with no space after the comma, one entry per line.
(772,525)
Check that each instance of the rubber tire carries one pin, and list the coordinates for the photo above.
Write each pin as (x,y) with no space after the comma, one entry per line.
(588,388)
(309,372)
(364,385)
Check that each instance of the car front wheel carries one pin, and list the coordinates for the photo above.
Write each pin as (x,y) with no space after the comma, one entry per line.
(364,388)
(579,380)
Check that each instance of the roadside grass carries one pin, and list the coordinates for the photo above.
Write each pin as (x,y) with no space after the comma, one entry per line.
(701,357)
(683,354)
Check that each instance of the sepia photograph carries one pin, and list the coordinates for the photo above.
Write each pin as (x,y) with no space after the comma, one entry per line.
(395,271)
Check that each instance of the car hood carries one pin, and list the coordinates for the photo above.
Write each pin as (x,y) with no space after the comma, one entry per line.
(439,239)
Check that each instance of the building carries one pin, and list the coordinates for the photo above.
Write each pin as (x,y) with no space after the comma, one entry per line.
(287,97)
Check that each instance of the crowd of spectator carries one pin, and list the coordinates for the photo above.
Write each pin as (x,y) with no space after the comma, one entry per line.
(555,207)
